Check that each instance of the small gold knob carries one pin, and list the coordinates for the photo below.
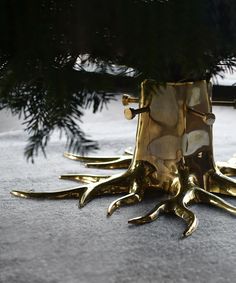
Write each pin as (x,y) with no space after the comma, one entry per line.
(130,113)
(127,99)
(208,118)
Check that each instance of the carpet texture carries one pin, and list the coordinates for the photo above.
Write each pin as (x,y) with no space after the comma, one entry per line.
(55,241)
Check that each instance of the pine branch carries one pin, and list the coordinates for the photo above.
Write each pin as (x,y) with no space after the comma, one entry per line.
(46,47)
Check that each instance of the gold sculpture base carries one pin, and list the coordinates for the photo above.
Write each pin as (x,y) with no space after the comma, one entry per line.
(173,153)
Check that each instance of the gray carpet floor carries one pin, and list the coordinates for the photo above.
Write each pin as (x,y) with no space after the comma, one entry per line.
(55,241)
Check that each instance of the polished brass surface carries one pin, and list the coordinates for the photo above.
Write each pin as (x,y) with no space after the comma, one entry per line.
(173,153)
(129,151)
(103,162)
(187,193)
(74,192)
(127,99)
(227,168)
(123,161)
(208,118)
(120,163)
(130,113)
(84,178)
(93,159)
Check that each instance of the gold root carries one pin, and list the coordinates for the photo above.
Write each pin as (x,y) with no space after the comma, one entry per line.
(111,185)
(178,205)
(221,184)
(123,162)
(227,168)
(84,178)
(103,162)
(75,192)
(131,182)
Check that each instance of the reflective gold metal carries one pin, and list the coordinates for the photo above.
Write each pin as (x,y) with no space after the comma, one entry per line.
(127,99)
(103,162)
(130,113)
(122,162)
(208,118)
(188,192)
(173,153)
(228,168)
(84,178)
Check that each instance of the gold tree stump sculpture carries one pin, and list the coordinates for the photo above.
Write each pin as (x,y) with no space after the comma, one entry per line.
(173,153)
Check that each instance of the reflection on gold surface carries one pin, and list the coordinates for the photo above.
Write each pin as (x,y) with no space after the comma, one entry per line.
(173,153)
